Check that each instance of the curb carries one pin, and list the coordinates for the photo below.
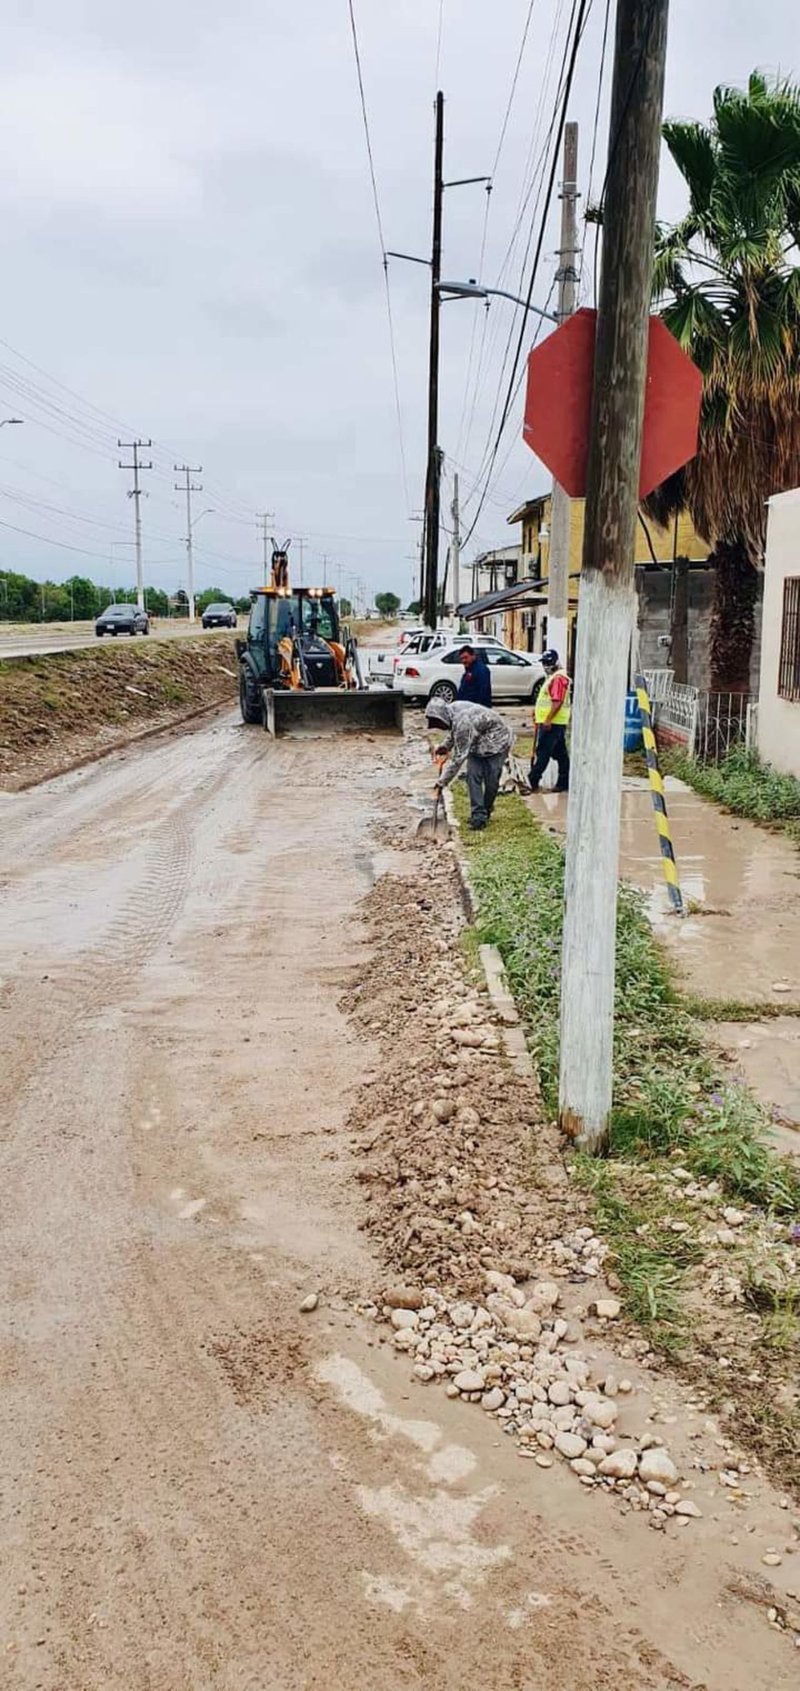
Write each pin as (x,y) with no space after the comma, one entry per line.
(494,972)
(98,755)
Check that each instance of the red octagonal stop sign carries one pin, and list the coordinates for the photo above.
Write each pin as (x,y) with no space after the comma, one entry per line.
(558,404)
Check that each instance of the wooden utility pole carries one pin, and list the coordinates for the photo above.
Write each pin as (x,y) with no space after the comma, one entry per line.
(430,583)
(679,619)
(560,502)
(455,549)
(607,582)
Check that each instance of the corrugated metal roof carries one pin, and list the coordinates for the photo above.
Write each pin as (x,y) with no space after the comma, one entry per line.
(523,592)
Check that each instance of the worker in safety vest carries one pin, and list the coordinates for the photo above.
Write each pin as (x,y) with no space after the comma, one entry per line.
(551,714)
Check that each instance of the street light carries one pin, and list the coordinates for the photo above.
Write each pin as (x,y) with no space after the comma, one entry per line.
(476,290)
(4,420)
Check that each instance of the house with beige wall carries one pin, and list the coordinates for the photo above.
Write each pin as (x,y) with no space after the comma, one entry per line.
(779,685)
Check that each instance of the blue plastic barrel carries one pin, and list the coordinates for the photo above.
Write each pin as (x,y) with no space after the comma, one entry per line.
(632,738)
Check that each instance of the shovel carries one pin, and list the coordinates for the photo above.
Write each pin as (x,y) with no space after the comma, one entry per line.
(436,827)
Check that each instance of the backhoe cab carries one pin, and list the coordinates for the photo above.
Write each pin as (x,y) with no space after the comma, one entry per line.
(299,668)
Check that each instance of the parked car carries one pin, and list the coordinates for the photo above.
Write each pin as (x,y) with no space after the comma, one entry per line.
(122,619)
(515,675)
(219,616)
(423,643)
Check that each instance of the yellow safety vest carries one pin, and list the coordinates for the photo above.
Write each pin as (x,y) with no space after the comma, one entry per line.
(544,703)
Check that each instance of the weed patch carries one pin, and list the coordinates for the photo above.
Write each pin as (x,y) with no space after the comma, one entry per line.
(683,1142)
(744,785)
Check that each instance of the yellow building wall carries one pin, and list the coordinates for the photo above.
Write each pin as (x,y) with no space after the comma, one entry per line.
(666,545)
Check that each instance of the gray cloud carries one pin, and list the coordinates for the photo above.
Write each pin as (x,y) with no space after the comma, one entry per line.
(189,242)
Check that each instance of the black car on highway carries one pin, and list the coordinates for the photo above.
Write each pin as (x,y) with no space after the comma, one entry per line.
(122,619)
(219,616)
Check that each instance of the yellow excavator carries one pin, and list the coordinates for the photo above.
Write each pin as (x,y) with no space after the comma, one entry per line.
(299,667)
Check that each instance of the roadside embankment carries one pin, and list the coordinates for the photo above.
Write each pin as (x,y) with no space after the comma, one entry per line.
(58,710)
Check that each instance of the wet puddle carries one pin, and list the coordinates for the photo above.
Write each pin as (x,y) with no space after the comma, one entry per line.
(741,939)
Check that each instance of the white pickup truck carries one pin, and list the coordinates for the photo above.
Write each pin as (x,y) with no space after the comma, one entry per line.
(422,643)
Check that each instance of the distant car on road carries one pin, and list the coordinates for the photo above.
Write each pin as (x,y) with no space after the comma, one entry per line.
(515,676)
(122,619)
(219,616)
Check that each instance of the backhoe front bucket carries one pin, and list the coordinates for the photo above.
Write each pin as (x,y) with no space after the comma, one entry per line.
(331,710)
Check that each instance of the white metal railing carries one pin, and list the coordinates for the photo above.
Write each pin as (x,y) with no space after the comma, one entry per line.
(657,682)
(721,724)
(709,723)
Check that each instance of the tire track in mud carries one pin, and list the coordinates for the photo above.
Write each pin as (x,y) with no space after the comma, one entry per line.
(46,1020)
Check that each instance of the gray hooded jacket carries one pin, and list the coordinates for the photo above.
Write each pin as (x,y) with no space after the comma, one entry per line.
(472,731)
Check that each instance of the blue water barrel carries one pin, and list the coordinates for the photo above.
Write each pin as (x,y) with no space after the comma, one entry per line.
(632,738)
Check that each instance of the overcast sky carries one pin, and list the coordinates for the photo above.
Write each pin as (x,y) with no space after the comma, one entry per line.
(189,244)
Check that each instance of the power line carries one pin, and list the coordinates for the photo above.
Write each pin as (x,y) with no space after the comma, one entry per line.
(436,79)
(384,259)
(595,127)
(513,88)
(582,13)
(534,171)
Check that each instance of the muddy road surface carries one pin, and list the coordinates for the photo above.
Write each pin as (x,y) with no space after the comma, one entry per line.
(203,1488)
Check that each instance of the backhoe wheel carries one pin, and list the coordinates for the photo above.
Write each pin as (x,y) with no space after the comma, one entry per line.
(249,697)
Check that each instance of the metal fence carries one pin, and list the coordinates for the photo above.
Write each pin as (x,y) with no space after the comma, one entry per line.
(707,724)
(721,725)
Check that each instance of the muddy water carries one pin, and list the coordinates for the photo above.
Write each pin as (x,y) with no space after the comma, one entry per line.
(743,940)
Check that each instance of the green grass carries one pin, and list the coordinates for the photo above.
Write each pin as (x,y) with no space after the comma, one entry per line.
(649,1260)
(739,1009)
(669,1097)
(744,785)
(670,1102)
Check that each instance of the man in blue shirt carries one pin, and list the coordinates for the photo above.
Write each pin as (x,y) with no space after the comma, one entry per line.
(476,682)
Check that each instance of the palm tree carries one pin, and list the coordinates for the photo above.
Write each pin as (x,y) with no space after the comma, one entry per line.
(728,288)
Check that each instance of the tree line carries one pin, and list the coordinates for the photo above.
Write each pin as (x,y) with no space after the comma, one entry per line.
(80,600)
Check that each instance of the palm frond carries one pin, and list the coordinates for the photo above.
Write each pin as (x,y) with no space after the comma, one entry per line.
(692,148)
(732,300)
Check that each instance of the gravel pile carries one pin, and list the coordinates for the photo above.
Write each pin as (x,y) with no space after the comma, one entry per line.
(471,1205)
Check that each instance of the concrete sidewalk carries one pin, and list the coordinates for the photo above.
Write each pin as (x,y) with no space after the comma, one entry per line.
(742,940)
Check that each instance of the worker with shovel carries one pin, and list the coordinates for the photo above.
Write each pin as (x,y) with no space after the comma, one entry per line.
(478,738)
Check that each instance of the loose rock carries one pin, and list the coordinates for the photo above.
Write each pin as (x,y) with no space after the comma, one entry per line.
(655,1464)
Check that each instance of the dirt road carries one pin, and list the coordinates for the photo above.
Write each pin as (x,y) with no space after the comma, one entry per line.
(202,1488)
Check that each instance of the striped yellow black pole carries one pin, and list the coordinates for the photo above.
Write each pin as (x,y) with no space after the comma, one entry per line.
(668,863)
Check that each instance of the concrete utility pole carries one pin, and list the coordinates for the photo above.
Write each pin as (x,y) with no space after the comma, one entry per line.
(607,582)
(190,488)
(264,523)
(558,555)
(301,542)
(430,585)
(135,493)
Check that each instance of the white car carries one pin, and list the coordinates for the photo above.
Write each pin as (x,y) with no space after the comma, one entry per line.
(515,675)
(423,642)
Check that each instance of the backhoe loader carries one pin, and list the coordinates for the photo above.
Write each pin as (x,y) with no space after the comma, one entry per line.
(299,668)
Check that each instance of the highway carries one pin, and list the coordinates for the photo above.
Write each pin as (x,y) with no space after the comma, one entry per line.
(35,640)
